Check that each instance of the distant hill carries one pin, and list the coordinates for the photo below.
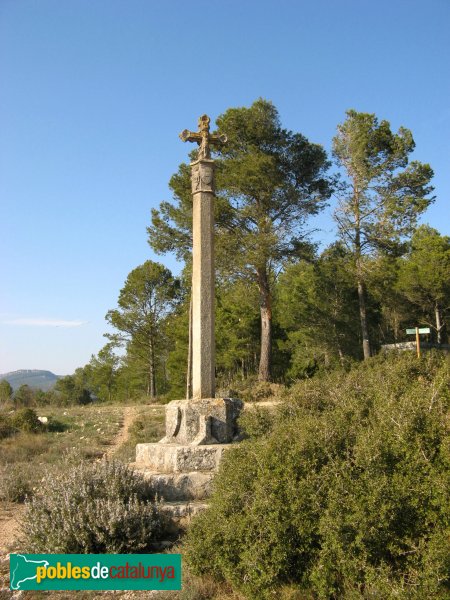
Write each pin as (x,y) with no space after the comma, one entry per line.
(42,380)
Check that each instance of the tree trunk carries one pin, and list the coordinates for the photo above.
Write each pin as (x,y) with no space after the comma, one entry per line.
(360,280)
(363,319)
(152,370)
(439,324)
(266,325)
(338,345)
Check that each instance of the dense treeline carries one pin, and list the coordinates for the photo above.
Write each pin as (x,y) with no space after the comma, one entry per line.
(285,309)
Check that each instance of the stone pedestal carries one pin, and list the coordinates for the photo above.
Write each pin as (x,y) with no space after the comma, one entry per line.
(200,422)
(182,465)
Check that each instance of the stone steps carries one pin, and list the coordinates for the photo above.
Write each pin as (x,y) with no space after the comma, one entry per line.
(178,515)
(182,465)
(176,458)
(176,487)
(183,510)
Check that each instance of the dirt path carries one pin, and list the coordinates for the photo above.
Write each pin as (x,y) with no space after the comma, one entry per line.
(9,526)
(129,414)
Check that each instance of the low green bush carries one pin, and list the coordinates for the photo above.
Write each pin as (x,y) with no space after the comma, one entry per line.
(345,495)
(6,428)
(252,390)
(255,422)
(96,508)
(27,420)
(56,426)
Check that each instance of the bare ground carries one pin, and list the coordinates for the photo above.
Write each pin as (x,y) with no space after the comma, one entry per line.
(129,414)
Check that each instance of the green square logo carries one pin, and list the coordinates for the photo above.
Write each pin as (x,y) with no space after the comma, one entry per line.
(95,571)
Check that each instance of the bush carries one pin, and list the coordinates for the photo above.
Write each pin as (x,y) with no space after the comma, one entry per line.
(6,429)
(255,422)
(27,420)
(252,390)
(345,496)
(97,508)
(15,483)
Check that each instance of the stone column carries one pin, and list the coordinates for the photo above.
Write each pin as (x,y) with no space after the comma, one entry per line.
(203,342)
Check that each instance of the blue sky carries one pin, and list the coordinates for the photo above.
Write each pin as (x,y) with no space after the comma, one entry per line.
(94,93)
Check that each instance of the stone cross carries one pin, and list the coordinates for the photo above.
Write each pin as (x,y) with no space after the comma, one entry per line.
(203,343)
(203,138)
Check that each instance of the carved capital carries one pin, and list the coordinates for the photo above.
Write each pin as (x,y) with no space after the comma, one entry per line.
(202,176)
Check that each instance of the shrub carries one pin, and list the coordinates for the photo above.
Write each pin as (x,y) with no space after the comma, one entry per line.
(15,483)
(27,420)
(6,429)
(24,396)
(97,508)
(346,496)
(252,390)
(55,426)
(255,422)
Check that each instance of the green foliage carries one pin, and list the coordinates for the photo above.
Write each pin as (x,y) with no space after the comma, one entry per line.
(15,483)
(27,420)
(6,428)
(269,177)
(102,373)
(256,422)
(346,496)
(269,180)
(23,396)
(6,391)
(252,390)
(72,389)
(424,275)
(95,508)
(177,329)
(317,306)
(237,329)
(385,194)
(381,197)
(148,296)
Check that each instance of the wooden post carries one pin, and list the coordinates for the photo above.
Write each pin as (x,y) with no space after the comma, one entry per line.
(418,342)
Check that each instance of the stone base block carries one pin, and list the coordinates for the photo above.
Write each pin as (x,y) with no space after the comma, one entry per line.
(182,510)
(202,422)
(172,487)
(178,516)
(173,458)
